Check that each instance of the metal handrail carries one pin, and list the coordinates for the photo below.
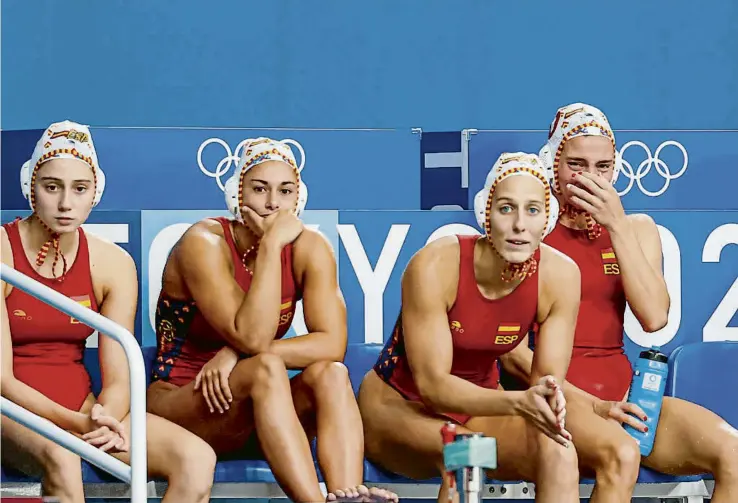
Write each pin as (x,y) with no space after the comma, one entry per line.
(136,474)
(62,437)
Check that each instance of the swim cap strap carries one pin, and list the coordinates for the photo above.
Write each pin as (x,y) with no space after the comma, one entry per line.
(43,253)
(594,230)
(520,271)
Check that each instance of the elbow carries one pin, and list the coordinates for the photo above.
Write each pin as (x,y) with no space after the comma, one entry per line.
(431,400)
(659,317)
(253,346)
(337,355)
(338,346)
(251,340)
(429,391)
(655,315)
(655,320)
(655,323)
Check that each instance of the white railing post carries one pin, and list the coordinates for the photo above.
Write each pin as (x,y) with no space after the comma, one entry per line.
(62,437)
(137,372)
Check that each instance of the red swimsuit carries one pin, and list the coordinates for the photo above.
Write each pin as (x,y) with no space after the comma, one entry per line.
(186,341)
(599,365)
(482,331)
(48,345)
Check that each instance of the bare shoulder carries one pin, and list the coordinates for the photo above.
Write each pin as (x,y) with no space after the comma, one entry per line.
(201,240)
(431,278)
(312,251)
(557,267)
(312,241)
(108,258)
(641,219)
(643,224)
(203,232)
(437,260)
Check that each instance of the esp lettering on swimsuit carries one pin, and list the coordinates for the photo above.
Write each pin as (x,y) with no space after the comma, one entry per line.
(507,333)
(609,262)
(285,318)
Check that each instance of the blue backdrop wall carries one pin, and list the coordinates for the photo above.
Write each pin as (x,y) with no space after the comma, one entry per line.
(350,80)
(380,223)
(439,65)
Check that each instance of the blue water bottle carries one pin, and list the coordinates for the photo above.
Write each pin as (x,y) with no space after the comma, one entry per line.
(647,391)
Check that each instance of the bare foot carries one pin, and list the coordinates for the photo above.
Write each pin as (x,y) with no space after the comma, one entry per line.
(348,494)
(362,494)
(377,495)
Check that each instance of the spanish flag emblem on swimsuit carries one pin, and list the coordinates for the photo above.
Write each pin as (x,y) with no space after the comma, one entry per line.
(608,256)
(508,328)
(507,333)
(83,301)
(609,261)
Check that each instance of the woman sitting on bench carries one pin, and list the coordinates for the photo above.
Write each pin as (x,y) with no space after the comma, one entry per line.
(42,369)
(466,300)
(230,288)
(620,259)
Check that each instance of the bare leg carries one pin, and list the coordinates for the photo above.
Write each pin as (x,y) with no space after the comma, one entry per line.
(60,470)
(326,405)
(33,454)
(557,474)
(401,436)
(525,453)
(404,438)
(262,400)
(604,447)
(182,458)
(692,440)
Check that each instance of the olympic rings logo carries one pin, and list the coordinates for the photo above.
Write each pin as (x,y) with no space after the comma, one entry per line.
(635,176)
(233,158)
(230,159)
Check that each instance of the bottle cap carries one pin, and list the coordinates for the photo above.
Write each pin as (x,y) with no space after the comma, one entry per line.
(655,355)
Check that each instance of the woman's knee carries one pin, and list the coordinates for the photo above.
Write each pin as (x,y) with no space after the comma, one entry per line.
(619,460)
(267,371)
(61,467)
(327,376)
(559,461)
(191,466)
(726,458)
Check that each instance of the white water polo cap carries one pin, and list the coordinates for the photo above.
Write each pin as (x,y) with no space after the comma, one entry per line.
(515,164)
(256,151)
(571,121)
(62,140)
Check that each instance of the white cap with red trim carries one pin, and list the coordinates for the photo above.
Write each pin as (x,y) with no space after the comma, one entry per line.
(61,140)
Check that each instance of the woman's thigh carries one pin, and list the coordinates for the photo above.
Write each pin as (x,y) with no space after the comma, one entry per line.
(690,439)
(28,451)
(186,407)
(168,446)
(516,446)
(400,435)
